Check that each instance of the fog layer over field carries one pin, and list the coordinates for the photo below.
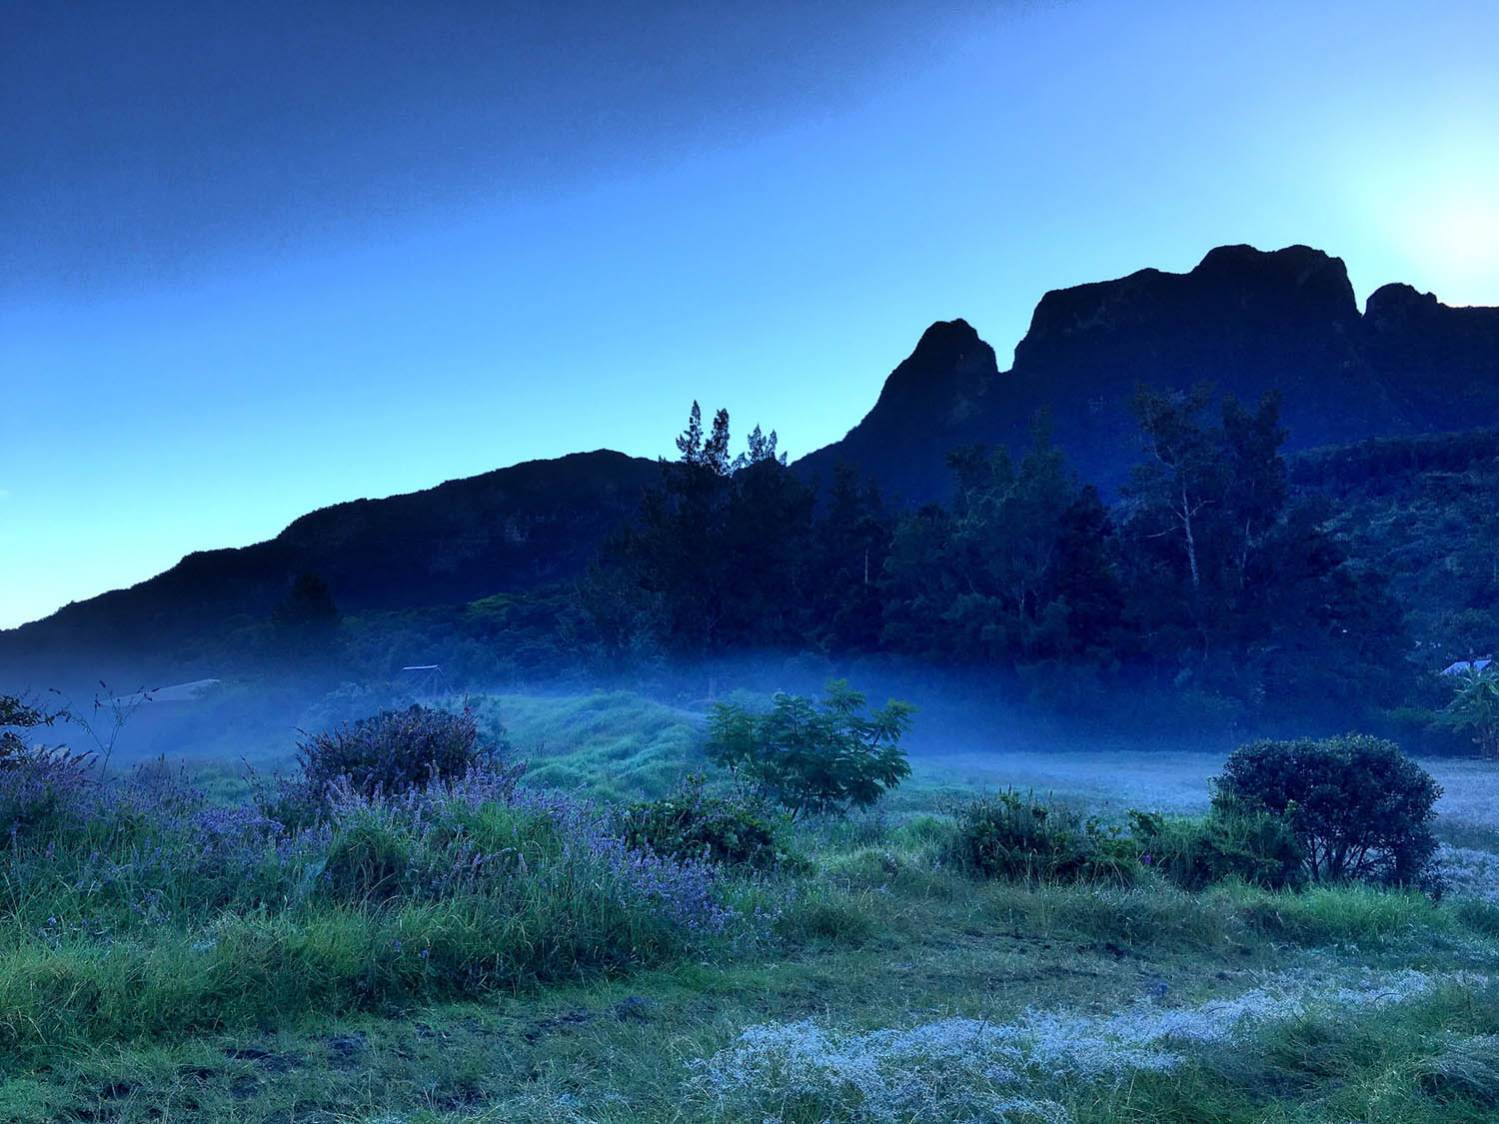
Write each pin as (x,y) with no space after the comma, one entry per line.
(639,736)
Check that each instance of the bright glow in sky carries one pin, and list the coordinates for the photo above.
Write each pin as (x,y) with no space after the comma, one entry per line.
(223,304)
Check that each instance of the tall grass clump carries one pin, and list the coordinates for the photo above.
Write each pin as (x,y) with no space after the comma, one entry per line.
(1015,837)
(137,907)
(1196,852)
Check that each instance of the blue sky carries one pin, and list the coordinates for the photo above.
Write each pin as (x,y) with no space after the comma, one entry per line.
(259,259)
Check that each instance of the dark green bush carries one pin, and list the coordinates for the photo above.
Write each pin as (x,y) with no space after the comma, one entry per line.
(1194,853)
(1015,837)
(1361,809)
(733,829)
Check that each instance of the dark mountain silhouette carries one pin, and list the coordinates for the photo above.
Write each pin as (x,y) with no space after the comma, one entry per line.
(1246,320)
(511,529)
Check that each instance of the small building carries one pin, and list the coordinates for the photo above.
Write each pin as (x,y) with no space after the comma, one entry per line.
(176,693)
(425,678)
(1467,667)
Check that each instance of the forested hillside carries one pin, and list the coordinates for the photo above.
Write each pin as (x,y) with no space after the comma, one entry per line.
(1146,498)
(1423,511)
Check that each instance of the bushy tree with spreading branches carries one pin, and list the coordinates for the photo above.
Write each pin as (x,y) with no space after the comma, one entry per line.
(811,757)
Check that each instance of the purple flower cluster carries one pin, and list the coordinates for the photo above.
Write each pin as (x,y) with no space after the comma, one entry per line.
(151,849)
(553,843)
(40,789)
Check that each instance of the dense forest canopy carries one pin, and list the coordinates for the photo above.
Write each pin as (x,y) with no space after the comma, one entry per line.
(1210,576)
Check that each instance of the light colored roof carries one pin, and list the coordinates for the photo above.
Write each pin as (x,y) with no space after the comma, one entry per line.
(177,692)
(1462,667)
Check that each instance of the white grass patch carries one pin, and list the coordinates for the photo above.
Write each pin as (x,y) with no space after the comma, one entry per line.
(1469,872)
(964,1069)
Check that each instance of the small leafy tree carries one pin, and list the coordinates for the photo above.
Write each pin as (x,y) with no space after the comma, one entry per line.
(1360,808)
(812,757)
(1475,708)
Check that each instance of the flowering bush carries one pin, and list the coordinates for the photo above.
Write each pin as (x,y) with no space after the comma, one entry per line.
(394,751)
(41,789)
(215,915)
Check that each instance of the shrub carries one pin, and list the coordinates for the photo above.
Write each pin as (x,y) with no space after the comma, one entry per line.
(18,715)
(1014,837)
(38,784)
(1360,808)
(736,829)
(813,758)
(1474,708)
(1194,853)
(393,752)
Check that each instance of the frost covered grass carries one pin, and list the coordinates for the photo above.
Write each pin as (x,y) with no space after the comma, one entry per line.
(966,1069)
(1176,780)
(1470,872)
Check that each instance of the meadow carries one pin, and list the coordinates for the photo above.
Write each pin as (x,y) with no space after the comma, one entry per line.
(492,950)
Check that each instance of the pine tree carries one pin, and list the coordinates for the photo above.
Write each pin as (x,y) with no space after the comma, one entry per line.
(690,443)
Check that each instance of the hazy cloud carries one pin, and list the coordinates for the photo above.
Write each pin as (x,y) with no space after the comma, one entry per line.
(142,139)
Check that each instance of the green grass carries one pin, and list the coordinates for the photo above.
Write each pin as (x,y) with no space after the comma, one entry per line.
(613,746)
(852,951)
(547,1003)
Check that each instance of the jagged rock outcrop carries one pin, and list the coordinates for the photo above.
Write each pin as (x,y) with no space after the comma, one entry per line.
(936,399)
(1246,320)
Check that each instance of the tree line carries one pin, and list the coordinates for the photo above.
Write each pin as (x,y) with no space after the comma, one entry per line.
(1210,574)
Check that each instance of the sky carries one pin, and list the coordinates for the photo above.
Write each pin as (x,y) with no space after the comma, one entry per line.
(257,259)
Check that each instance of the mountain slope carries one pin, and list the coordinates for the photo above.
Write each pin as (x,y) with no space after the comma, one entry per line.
(510,529)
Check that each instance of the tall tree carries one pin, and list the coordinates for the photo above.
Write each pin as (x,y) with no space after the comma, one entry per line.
(850,544)
(1232,585)
(989,577)
(718,556)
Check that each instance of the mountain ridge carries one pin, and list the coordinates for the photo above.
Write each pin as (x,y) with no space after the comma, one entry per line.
(1248,320)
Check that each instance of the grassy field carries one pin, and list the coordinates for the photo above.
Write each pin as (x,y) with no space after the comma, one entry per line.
(878,985)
